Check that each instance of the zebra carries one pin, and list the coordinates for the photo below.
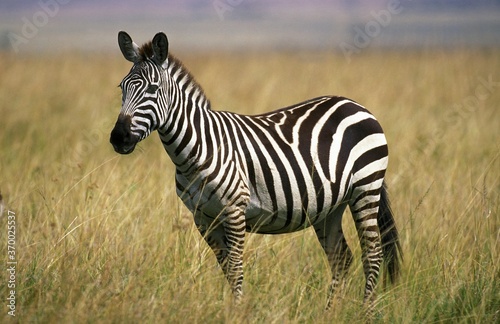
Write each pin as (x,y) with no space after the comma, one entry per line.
(272,173)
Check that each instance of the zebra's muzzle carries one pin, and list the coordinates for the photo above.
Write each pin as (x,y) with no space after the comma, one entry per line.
(121,138)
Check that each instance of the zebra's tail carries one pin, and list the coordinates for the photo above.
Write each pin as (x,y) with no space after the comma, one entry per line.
(391,247)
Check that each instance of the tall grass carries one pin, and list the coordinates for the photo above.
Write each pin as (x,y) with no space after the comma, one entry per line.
(103,238)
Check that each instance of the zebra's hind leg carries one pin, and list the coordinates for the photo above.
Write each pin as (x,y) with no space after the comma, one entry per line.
(364,207)
(226,238)
(331,237)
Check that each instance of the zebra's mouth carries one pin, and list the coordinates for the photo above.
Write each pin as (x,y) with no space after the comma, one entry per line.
(124,149)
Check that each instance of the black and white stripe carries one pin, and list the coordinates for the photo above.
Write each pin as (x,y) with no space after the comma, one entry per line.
(272,173)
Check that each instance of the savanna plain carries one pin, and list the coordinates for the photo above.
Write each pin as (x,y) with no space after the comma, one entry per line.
(102,238)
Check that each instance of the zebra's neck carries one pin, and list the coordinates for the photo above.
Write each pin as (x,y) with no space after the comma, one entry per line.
(186,116)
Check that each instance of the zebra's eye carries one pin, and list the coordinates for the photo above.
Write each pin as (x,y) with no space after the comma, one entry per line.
(152,89)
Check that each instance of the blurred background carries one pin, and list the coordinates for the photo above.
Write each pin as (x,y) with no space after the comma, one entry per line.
(343,25)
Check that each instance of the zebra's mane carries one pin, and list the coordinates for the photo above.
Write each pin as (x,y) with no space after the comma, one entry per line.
(146,53)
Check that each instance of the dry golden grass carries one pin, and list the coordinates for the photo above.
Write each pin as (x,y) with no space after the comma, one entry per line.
(103,238)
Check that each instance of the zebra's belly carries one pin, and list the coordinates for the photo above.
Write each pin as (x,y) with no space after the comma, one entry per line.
(280,210)
(261,215)
(264,220)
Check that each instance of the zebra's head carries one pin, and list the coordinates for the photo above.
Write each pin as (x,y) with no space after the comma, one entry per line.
(142,92)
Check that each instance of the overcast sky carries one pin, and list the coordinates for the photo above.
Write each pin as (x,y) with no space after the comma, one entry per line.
(92,25)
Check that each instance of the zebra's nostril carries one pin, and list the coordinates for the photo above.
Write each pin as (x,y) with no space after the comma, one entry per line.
(121,133)
(126,136)
(118,134)
(123,142)
(122,138)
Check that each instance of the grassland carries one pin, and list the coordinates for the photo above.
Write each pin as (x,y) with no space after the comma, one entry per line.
(103,238)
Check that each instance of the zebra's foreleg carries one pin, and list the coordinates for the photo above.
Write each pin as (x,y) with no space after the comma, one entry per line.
(234,230)
(226,239)
(331,238)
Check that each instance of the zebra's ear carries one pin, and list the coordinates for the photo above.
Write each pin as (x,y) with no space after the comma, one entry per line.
(160,48)
(129,49)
